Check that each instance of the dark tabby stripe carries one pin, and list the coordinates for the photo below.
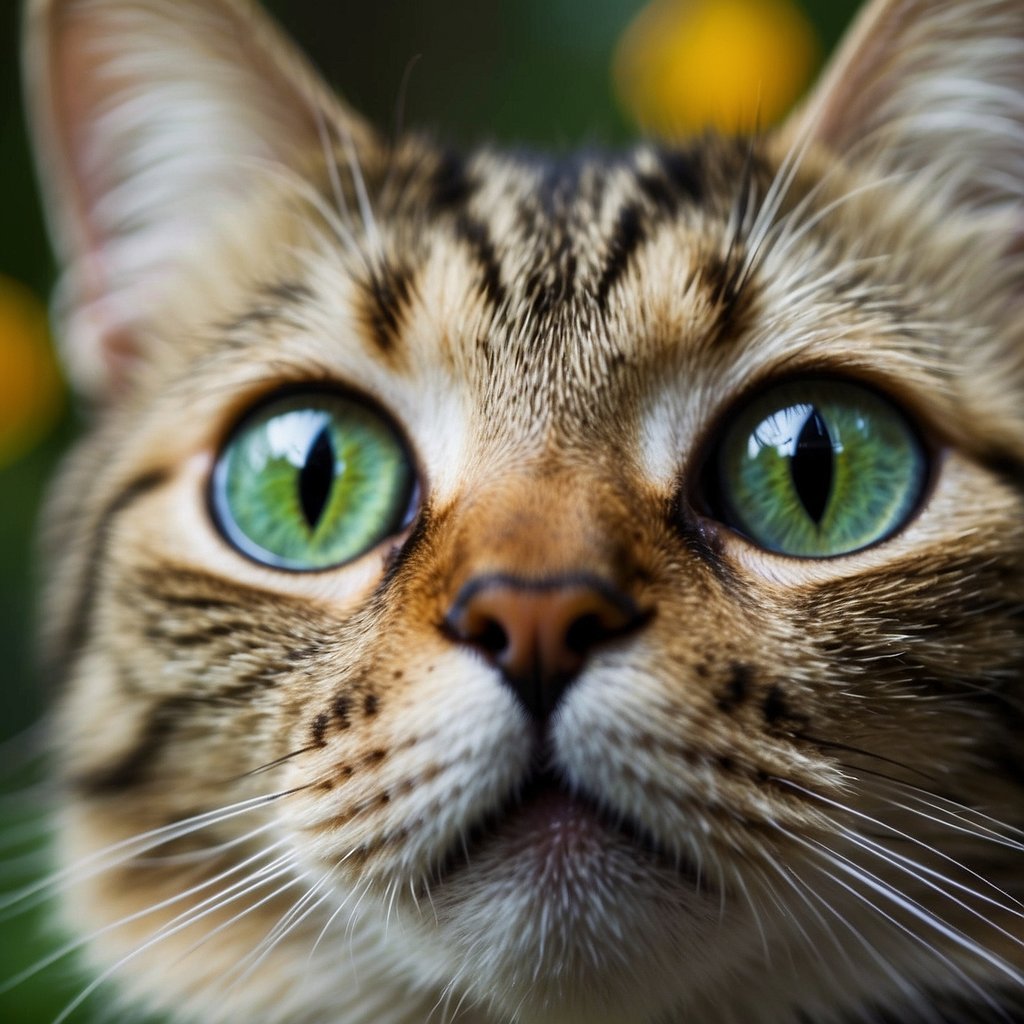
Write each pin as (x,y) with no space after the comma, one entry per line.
(61,660)
(474,234)
(162,720)
(385,299)
(627,238)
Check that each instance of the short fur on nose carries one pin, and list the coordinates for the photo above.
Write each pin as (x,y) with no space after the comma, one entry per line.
(539,633)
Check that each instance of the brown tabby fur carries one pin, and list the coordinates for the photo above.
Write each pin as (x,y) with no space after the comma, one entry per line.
(817,760)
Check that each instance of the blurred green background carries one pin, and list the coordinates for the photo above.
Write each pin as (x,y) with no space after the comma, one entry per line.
(537,72)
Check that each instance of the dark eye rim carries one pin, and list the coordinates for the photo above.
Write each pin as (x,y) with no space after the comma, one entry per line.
(228,530)
(701,493)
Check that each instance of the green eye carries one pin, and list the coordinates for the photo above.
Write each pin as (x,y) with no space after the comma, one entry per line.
(312,480)
(816,468)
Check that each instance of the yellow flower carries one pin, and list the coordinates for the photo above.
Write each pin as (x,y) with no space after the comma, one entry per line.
(686,65)
(31,390)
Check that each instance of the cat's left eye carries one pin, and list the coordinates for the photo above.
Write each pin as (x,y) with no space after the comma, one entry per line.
(312,480)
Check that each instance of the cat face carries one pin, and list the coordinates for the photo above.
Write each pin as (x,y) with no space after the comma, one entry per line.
(498,588)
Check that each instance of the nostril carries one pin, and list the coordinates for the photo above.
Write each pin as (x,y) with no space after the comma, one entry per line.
(585,633)
(471,625)
(490,637)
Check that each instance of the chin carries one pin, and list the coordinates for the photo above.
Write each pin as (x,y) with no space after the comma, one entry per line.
(555,914)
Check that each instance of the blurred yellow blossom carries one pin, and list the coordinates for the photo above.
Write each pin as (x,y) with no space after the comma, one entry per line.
(686,65)
(31,390)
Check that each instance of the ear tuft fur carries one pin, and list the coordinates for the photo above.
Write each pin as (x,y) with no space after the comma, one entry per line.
(149,116)
(936,88)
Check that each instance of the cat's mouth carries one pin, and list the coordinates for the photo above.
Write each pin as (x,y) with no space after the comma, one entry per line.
(556,825)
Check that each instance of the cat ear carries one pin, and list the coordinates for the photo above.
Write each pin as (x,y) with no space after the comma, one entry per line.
(149,117)
(934,88)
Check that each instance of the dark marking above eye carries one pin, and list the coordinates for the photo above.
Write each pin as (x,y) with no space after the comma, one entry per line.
(477,239)
(727,286)
(385,301)
(684,169)
(316,478)
(451,187)
(811,466)
(626,239)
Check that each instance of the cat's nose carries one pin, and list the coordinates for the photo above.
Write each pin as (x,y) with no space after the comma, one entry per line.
(539,633)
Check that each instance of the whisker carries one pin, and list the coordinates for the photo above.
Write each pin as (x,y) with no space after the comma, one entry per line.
(903,835)
(308,904)
(331,161)
(362,195)
(206,853)
(81,941)
(806,892)
(125,849)
(165,933)
(912,907)
(302,187)
(276,763)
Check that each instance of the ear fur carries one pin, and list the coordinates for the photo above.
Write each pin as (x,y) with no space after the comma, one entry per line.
(149,117)
(934,88)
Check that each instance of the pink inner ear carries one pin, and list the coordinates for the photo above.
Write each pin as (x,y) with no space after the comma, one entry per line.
(82,90)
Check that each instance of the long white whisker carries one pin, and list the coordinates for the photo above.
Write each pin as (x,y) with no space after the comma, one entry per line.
(915,909)
(307,905)
(919,872)
(995,830)
(197,856)
(342,231)
(84,940)
(168,932)
(330,158)
(126,849)
(806,892)
(878,823)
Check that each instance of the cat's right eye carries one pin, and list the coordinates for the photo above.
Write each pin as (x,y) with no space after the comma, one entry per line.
(312,480)
(816,468)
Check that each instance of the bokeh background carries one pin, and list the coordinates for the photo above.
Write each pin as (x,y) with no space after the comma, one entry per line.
(540,73)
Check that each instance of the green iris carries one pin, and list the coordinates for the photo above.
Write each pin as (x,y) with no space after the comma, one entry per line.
(312,480)
(815,468)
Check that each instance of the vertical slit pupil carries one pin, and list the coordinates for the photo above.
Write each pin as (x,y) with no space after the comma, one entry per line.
(316,478)
(811,466)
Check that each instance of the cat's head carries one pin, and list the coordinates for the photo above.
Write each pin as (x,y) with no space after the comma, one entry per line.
(562,590)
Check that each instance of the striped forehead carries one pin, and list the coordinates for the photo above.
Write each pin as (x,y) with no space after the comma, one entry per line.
(517,272)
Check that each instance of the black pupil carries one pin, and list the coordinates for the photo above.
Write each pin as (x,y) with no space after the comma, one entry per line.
(811,466)
(316,478)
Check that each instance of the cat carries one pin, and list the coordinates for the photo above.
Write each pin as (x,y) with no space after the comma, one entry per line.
(496,588)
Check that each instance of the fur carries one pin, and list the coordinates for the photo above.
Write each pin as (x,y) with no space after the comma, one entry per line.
(270,778)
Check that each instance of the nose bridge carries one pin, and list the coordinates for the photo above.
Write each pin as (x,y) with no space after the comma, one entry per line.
(541,524)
